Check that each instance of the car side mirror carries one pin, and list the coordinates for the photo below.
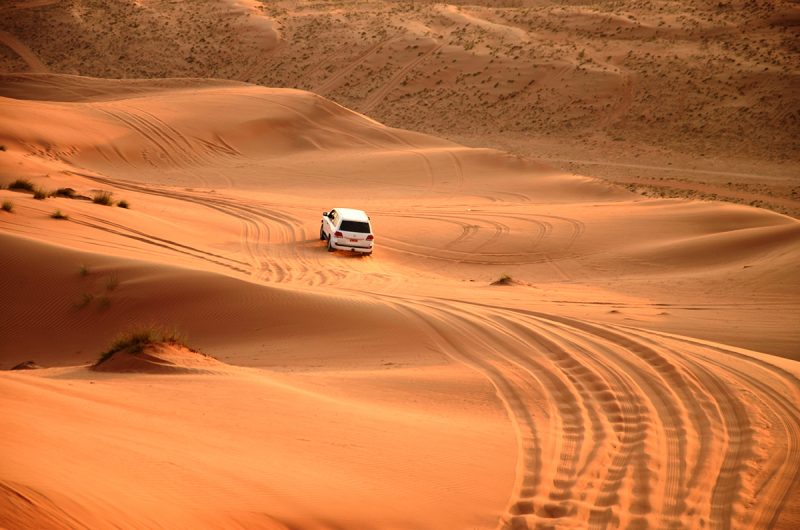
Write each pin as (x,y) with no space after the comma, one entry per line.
(324,214)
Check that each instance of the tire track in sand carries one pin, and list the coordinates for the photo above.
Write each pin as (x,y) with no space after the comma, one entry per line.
(272,240)
(331,82)
(377,97)
(162,243)
(779,394)
(25,53)
(621,427)
(615,426)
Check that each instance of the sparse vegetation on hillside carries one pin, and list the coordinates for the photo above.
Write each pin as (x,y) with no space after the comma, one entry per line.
(668,74)
(626,81)
(102,296)
(59,215)
(8,206)
(136,340)
(123,204)
(26,185)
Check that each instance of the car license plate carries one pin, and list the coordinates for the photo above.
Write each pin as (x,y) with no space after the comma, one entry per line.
(354,240)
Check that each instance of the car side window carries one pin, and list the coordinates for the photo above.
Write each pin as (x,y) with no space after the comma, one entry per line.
(335,218)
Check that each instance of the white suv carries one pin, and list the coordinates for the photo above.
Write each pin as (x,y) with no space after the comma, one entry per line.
(347,229)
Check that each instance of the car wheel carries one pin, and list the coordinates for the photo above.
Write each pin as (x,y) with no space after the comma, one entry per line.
(321,234)
(330,245)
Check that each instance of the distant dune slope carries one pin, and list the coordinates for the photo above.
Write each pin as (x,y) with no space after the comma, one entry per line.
(698,75)
(680,86)
(119,130)
(525,348)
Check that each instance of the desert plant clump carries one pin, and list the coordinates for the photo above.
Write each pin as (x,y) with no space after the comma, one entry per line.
(84,300)
(27,365)
(83,270)
(69,193)
(59,215)
(103,303)
(2,147)
(39,194)
(123,204)
(112,282)
(504,279)
(21,185)
(135,341)
(104,198)
(8,206)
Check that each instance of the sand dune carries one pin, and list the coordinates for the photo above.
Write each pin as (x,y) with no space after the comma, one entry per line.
(160,358)
(244,448)
(693,99)
(638,368)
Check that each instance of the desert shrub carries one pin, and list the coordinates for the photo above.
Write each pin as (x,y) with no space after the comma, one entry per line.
(27,365)
(135,341)
(2,147)
(104,198)
(8,206)
(58,215)
(504,279)
(39,194)
(83,270)
(21,185)
(103,303)
(123,204)
(84,300)
(69,193)
(112,282)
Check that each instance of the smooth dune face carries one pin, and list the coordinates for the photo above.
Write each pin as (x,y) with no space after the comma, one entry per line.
(637,368)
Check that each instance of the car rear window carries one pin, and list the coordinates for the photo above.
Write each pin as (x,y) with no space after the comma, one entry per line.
(355,226)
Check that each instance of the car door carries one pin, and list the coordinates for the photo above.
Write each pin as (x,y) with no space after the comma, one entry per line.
(330,222)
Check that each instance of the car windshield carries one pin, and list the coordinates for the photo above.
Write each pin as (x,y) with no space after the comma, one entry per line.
(355,226)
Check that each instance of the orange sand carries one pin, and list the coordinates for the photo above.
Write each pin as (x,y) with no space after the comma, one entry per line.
(639,368)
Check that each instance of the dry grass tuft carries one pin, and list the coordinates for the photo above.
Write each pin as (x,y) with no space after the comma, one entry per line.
(22,185)
(136,340)
(104,198)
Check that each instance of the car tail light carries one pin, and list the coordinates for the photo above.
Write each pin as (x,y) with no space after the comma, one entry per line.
(370,237)
(338,234)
